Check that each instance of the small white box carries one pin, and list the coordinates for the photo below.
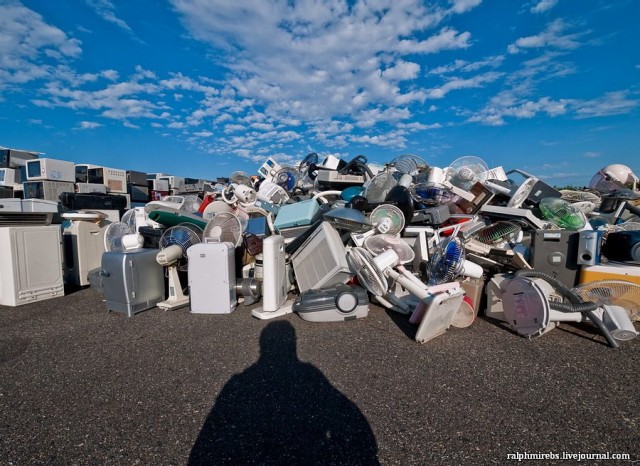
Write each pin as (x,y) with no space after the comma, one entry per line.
(51,169)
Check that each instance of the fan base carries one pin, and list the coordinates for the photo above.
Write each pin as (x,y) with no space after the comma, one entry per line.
(261,314)
(171,304)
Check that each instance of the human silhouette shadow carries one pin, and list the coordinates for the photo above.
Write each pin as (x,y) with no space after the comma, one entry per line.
(283,411)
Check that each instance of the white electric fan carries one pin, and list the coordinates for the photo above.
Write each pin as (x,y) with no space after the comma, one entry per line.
(616,292)
(118,237)
(448,262)
(530,309)
(373,272)
(409,164)
(215,208)
(377,188)
(224,227)
(464,172)
(586,201)
(174,243)
(190,204)
(387,218)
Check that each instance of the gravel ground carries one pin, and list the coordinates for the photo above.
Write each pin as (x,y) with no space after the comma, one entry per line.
(79,385)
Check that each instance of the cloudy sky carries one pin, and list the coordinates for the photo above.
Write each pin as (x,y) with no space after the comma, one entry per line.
(204,87)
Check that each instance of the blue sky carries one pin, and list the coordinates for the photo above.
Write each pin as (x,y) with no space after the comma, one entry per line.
(204,87)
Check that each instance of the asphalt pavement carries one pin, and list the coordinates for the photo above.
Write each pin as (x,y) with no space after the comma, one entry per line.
(80,385)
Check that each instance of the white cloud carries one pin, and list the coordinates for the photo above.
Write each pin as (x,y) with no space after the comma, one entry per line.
(465,66)
(592,154)
(88,125)
(543,5)
(106,10)
(551,37)
(611,103)
(30,48)
(462,6)
(459,83)
(323,59)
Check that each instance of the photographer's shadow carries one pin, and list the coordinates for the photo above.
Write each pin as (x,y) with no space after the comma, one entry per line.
(283,411)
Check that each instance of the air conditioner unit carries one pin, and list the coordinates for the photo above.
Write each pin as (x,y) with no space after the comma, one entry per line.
(83,246)
(31,265)
(115,180)
(212,278)
(21,212)
(132,281)
(47,190)
(51,169)
(84,188)
(321,260)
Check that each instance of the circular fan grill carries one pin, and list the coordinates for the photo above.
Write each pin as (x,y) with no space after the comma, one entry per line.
(562,213)
(183,236)
(616,292)
(579,196)
(240,177)
(447,262)
(224,227)
(215,208)
(286,178)
(113,236)
(499,233)
(191,204)
(378,187)
(522,192)
(465,171)
(361,263)
(409,164)
(430,193)
(129,217)
(377,244)
(387,219)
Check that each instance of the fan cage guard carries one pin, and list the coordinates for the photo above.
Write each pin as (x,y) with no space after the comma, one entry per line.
(224,227)
(498,232)
(562,213)
(616,292)
(446,262)
(390,216)
(377,244)
(409,164)
(362,264)
(431,194)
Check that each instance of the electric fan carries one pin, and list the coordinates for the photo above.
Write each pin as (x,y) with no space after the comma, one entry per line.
(190,204)
(448,262)
(387,218)
(240,177)
(534,302)
(119,238)
(626,226)
(129,218)
(224,227)
(346,218)
(562,213)
(466,171)
(522,192)
(215,208)
(310,159)
(409,164)
(271,192)
(376,189)
(616,292)
(580,196)
(174,243)
(500,234)
(287,178)
(431,194)
(373,272)
(377,244)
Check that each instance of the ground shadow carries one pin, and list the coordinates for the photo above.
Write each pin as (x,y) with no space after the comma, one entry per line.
(283,411)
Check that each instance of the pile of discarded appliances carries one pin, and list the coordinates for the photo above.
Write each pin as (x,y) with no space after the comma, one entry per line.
(326,238)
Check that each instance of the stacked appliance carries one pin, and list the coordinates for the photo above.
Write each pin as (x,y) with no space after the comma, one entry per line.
(48,178)
(137,186)
(83,245)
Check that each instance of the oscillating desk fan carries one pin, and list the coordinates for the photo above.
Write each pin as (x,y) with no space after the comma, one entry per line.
(174,243)
(387,218)
(448,262)
(409,164)
(562,213)
(377,188)
(118,237)
(466,171)
(224,227)
(372,273)
(616,292)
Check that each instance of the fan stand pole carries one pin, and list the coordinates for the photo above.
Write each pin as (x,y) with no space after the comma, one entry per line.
(176,297)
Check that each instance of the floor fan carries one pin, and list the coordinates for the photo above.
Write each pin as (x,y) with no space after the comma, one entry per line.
(448,262)
(373,272)
(387,218)
(615,292)
(174,243)
(118,237)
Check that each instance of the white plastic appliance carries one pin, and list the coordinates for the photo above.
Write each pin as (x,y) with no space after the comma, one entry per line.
(212,278)
(46,189)
(114,179)
(31,265)
(274,283)
(51,169)
(83,246)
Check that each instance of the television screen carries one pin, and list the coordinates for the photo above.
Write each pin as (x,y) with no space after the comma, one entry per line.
(33,168)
